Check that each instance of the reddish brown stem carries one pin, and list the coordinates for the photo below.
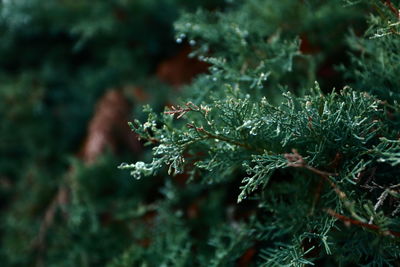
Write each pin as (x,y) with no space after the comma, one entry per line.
(350,221)
(296,160)
(182,111)
(392,8)
(222,138)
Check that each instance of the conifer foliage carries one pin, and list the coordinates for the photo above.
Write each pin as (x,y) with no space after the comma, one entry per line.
(289,144)
(285,151)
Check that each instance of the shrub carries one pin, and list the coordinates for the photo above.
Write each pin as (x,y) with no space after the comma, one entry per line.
(281,170)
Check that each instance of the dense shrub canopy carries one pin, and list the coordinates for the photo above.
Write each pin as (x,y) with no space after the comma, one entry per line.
(285,151)
(319,167)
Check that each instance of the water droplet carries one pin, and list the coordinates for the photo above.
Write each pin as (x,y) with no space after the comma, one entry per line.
(178,40)
(192,42)
(215,79)
(182,35)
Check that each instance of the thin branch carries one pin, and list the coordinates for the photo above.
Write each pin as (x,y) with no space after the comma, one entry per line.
(397,210)
(350,221)
(59,200)
(180,111)
(222,138)
(388,190)
(151,139)
(297,161)
(392,8)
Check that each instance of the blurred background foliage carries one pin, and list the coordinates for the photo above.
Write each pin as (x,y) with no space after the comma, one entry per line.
(72,73)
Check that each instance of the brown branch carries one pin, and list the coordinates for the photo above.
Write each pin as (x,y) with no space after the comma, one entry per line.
(222,138)
(179,111)
(59,200)
(350,221)
(297,161)
(182,111)
(392,8)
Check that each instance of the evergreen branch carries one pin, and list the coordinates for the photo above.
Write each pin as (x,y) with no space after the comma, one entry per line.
(297,161)
(182,111)
(144,134)
(387,191)
(350,221)
(222,138)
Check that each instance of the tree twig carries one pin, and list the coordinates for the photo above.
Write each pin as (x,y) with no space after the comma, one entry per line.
(350,221)
(297,161)
(180,111)
(392,8)
(60,199)
(222,138)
